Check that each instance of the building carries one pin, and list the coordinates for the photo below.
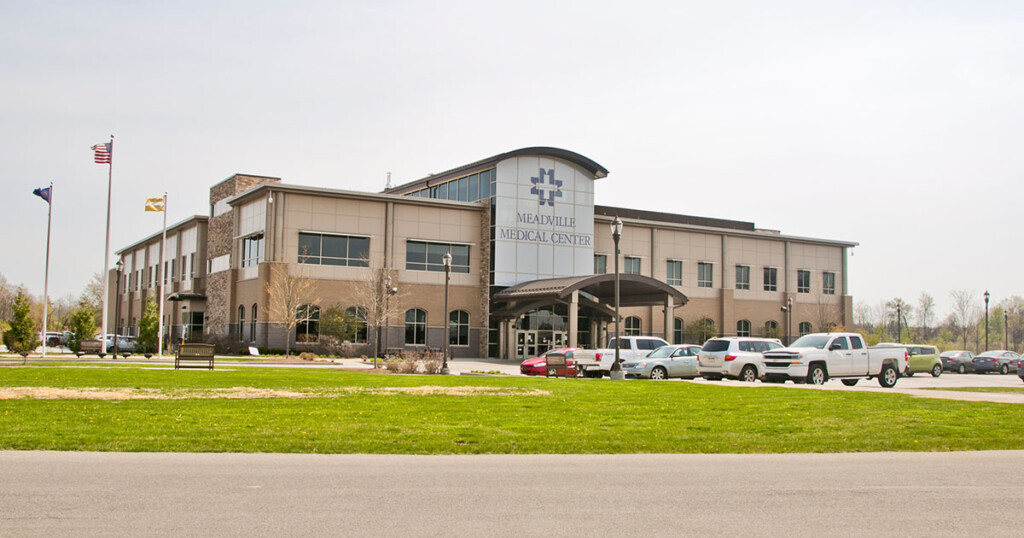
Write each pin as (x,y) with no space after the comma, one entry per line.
(532,265)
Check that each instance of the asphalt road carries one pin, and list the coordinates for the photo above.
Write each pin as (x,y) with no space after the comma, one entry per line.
(105,494)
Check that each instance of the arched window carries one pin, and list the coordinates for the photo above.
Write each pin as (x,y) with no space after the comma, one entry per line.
(307,329)
(771,329)
(252,325)
(415,327)
(743,327)
(805,327)
(634,326)
(677,331)
(359,335)
(241,323)
(458,328)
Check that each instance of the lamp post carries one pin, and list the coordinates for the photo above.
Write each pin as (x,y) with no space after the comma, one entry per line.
(986,319)
(615,372)
(788,310)
(447,259)
(391,290)
(1006,329)
(117,304)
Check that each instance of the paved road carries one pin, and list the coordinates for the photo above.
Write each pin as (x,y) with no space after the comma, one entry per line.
(104,494)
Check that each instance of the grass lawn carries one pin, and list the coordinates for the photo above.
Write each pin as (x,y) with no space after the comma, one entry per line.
(332,411)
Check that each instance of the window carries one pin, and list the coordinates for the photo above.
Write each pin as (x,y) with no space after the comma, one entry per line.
(422,256)
(633,326)
(771,279)
(415,327)
(183,268)
(307,330)
(857,343)
(359,313)
(149,276)
(458,328)
(804,328)
(743,327)
(241,323)
(600,264)
(631,265)
(252,250)
(743,277)
(771,329)
(704,278)
(803,281)
(328,249)
(174,274)
(677,330)
(192,265)
(674,273)
(828,283)
(252,325)
(166,263)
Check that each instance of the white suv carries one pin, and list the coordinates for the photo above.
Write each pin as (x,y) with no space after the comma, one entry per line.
(736,357)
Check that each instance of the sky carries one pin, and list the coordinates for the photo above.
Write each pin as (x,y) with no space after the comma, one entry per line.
(894,124)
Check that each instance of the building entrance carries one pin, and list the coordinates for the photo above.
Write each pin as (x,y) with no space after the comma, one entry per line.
(531,344)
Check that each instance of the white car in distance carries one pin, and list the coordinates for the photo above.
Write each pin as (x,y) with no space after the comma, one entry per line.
(735,357)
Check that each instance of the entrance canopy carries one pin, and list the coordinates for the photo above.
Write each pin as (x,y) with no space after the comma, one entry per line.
(634,290)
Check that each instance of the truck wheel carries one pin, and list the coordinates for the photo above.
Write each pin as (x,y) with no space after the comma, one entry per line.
(658,373)
(816,375)
(1004,370)
(961,369)
(850,382)
(936,370)
(887,379)
(748,374)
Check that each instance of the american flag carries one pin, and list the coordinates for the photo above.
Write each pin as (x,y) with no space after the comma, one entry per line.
(102,153)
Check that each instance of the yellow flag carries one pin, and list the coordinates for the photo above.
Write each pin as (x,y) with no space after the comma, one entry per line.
(155,204)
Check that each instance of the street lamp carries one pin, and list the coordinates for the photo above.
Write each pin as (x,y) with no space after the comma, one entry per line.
(615,372)
(447,259)
(391,290)
(986,319)
(788,310)
(117,304)
(1006,329)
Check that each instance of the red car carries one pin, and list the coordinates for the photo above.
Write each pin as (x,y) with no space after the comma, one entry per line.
(539,365)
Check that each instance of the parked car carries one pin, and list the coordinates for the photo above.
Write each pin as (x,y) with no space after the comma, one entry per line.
(539,365)
(735,357)
(665,362)
(922,359)
(958,360)
(817,357)
(125,344)
(598,362)
(996,360)
(1020,369)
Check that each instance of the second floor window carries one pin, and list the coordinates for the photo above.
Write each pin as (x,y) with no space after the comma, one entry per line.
(803,281)
(828,283)
(252,250)
(771,279)
(423,256)
(600,264)
(704,276)
(743,277)
(631,265)
(674,273)
(328,249)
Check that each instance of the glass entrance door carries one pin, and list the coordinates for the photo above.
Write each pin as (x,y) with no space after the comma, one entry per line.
(526,344)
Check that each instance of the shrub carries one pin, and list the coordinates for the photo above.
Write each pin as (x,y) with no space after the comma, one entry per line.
(307,356)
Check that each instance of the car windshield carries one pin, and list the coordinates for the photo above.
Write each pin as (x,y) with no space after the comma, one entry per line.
(661,352)
(812,340)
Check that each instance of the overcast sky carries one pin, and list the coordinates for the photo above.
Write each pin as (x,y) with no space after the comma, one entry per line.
(895,124)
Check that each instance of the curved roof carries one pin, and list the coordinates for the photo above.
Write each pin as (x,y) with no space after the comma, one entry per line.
(634,290)
(558,153)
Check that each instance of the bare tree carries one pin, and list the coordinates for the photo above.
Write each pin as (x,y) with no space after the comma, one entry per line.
(862,315)
(898,307)
(925,312)
(290,299)
(962,311)
(826,313)
(7,293)
(382,301)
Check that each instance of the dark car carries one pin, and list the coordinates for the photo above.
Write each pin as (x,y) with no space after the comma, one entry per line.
(958,361)
(996,360)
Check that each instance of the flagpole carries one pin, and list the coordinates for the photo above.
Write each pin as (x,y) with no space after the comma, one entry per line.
(106,250)
(46,273)
(163,282)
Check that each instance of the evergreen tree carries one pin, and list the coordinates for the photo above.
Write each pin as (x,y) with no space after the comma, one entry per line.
(22,337)
(83,324)
(149,325)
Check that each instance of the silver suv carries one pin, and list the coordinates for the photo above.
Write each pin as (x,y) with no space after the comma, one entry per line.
(736,357)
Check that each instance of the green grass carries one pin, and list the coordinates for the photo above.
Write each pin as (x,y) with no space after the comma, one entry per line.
(572,416)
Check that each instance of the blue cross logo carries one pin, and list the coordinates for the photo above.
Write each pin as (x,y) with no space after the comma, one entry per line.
(554,191)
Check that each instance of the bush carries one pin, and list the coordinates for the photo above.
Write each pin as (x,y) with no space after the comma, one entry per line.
(223,344)
(307,356)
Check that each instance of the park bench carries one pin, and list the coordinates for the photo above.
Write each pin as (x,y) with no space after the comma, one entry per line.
(92,346)
(194,356)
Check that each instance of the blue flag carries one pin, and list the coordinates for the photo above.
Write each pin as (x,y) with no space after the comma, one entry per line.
(43,193)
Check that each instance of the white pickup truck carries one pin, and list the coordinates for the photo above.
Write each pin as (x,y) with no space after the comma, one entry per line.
(817,357)
(598,362)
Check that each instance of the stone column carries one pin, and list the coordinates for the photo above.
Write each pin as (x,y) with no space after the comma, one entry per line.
(574,307)
(669,317)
